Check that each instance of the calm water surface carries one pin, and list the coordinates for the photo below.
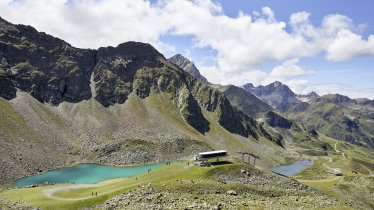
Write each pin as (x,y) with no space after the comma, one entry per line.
(291,169)
(84,174)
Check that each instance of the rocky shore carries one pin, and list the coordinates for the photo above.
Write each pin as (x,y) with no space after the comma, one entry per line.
(16,205)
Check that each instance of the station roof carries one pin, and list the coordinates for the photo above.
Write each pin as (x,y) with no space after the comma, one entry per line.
(212,152)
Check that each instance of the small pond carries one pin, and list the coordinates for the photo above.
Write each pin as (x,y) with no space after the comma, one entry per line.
(291,169)
(87,173)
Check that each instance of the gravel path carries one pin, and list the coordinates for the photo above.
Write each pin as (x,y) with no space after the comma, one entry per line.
(338,151)
(49,192)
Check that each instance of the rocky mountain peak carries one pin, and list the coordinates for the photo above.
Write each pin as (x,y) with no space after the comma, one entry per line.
(187,65)
(312,94)
(248,86)
(276,84)
(280,87)
(130,50)
(180,61)
(276,94)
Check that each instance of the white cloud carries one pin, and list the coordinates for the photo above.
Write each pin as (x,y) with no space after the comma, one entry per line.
(348,45)
(290,69)
(336,36)
(343,89)
(299,86)
(242,43)
(220,77)
(91,23)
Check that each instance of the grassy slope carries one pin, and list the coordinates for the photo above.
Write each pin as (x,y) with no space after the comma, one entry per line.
(357,165)
(327,118)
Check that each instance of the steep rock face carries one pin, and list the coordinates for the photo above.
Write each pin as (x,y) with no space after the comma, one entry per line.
(116,67)
(245,101)
(178,84)
(229,117)
(276,94)
(191,112)
(274,120)
(48,68)
(7,88)
(188,66)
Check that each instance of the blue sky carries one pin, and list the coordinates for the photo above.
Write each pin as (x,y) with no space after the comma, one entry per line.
(357,72)
(323,46)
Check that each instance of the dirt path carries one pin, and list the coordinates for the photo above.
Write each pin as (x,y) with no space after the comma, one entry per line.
(321,180)
(49,192)
(338,151)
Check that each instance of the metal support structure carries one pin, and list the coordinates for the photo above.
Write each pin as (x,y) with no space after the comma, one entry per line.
(249,157)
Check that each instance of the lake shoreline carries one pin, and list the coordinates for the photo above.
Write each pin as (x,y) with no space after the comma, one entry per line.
(84,173)
(289,170)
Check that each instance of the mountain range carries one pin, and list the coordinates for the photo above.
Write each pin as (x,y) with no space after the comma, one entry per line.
(121,105)
(335,115)
(128,104)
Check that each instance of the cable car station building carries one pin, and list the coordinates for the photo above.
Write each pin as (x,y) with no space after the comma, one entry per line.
(211,155)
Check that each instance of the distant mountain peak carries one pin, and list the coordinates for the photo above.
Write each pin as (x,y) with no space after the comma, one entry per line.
(187,65)
(313,94)
(276,94)
(248,85)
(277,84)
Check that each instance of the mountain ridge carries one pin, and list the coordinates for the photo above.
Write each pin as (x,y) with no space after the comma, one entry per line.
(84,105)
(335,115)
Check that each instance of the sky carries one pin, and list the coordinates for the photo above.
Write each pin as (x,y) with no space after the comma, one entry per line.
(326,46)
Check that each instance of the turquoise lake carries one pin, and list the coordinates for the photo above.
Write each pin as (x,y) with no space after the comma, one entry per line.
(84,174)
(291,169)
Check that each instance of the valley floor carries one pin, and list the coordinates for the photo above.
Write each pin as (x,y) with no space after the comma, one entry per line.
(230,184)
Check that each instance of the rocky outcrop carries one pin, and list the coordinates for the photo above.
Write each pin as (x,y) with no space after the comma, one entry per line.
(188,66)
(7,88)
(48,68)
(191,112)
(116,68)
